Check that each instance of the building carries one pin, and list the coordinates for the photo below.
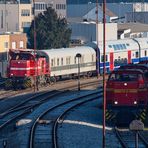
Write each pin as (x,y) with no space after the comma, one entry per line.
(10,41)
(15,17)
(58,5)
(9,17)
(132,30)
(86,31)
(25,17)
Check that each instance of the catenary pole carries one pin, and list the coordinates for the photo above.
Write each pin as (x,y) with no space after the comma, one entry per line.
(104,69)
(97,39)
(35,70)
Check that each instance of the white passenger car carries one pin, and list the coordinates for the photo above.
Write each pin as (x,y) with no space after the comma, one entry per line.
(63,61)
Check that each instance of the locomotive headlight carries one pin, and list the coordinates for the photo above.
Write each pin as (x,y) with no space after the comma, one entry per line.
(135,102)
(116,102)
(11,74)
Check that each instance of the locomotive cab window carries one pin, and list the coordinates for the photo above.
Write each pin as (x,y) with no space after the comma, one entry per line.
(123,77)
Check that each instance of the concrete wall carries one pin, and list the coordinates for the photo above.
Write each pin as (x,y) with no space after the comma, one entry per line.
(140,17)
(4,43)
(3,69)
(111,31)
(59,6)
(8,17)
(87,31)
(25,21)
(19,39)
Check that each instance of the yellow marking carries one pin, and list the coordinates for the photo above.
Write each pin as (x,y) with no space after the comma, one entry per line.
(109,89)
(142,117)
(144,114)
(125,91)
(109,117)
(142,89)
(107,113)
(146,129)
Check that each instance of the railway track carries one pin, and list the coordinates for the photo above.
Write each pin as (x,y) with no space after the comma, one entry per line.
(13,114)
(9,93)
(127,138)
(62,108)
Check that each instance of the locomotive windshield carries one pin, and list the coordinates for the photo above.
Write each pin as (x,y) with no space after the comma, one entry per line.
(21,56)
(124,77)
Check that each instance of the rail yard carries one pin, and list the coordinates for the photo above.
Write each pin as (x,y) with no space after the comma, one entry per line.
(73,77)
(61,116)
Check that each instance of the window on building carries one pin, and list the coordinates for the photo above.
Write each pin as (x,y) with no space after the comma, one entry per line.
(5,44)
(13,45)
(21,44)
(26,24)
(61,6)
(25,12)
(2,16)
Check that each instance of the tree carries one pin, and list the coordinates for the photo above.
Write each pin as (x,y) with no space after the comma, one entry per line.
(51,31)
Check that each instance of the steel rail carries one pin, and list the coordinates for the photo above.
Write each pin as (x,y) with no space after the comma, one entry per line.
(55,142)
(49,110)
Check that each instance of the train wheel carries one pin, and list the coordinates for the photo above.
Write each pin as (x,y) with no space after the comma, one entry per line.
(89,74)
(52,80)
(8,84)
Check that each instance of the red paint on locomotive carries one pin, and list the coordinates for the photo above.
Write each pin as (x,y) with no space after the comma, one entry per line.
(127,87)
(24,65)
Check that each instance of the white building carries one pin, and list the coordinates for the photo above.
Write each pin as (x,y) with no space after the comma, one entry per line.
(14,17)
(58,5)
(17,17)
(86,31)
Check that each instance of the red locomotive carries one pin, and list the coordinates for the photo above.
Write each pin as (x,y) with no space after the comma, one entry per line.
(127,87)
(127,91)
(24,65)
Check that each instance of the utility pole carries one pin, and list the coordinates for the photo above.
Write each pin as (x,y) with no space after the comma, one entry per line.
(97,50)
(35,60)
(104,70)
